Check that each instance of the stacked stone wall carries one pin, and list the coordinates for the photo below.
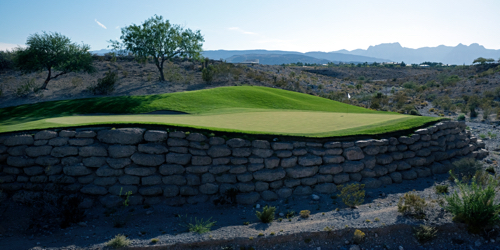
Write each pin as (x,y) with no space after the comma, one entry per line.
(177,167)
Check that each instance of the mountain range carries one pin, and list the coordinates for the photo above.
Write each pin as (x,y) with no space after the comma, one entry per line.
(386,52)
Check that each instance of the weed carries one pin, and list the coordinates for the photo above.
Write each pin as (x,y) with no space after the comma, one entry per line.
(465,168)
(246,223)
(272,233)
(461,117)
(267,214)
(280,219)
(412,204)
(290,214)
(368,221)
(475,204)
(261,234)
(424,233)
(352,194)
(441,189)
(482,136)
(199,226)
(305,213)
(127,196)
(250,238)
(376,219)
(118,241)
(154,241)
(358,236)
(105,85)
(328,229)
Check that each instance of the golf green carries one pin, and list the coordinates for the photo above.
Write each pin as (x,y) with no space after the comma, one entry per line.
(246,109)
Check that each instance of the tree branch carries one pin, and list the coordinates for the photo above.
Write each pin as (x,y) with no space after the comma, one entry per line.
(62,73)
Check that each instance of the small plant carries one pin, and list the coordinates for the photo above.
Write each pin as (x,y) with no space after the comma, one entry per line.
(261,234)
(465,168)
(272,233)
(118,241)
(475,204)
(461,117)
(327,229)
(106,84)
(412,204)
(441,189)
(424,233)
(376,219)
(208,73)
(246,223)
(280,219)
(352,194)
(482,136)
(290,214)
(368,221)
(305,213)
(250,238)
(127,196)
(199,226)
(358,236)
(154,241)
(267,214)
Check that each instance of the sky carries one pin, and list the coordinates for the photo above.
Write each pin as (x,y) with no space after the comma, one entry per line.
(303,26)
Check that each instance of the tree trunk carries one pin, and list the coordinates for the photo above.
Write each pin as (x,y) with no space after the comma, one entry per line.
(44,86)
(162,77)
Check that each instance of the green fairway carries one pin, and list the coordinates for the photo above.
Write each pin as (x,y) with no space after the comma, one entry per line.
(256,110)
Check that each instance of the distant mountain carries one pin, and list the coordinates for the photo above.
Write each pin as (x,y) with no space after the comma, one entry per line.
(329,56)
(274,59)
(460,54)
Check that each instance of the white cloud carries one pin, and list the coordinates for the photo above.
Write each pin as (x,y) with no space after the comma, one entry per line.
(117,27)
(100,24)
(242,31)
(9,46)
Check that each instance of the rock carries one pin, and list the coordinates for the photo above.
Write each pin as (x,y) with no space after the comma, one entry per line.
(238,143)
(325,188)
(406,140)
(196,137)
(177,134)
(261,144)
(403,165)
(328,159)
(38,151)
(386,180)
(177,142)
(396,177)
(181,159)
(409,175)
(148,159)
(371,183)
(242,152)
(270,174)
(197,169)
(340,178)
(368,173)
(129,180)
(261,186)
(222,161)
(333,145)
(353,153)
(151,191)
(105,181)
(219,151)
(263,153)
(354,247)
(226,178)
(271,162)
(423,172)
(151,148)
(310,160)
(372,150)
(289,162)
(248,198)
(118,163)
(121,136)
(121,151)
(282,146)
(269,195)
(64,151)
(177,180)
(282,153)
(209,188)
(302,190)
(20,161)
(352,166)
(94,162)
(171,169)
(33,171)
(192,180)
(67,133)
(139,171)
(94,190)
(330,169)
(155,135)
(59,141)
(284,192)
(299,151)
(122,189)
(18,140)
(238,169)
(201,160)
(300,172)
(384,159)
(309,181)
(216,141)
(245,177)
(380,171)
(45,135)
(80,141)
(438,168)
(77,170)
(355,177)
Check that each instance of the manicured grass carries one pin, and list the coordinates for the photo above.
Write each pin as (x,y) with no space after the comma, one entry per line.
(256,110)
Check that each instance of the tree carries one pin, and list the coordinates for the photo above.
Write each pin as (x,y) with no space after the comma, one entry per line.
(53,51)
(483,60)
(159,39)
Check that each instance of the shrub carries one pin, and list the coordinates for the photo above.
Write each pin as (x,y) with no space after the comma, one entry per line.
(118,241)
(305,213)
(352,194)
(199,226)
(229,197)
(414,112)
(106,84)
(358,236)
(461,117)
(6,59)
(412,204)
(441,189)
(475,204)
(267,214)
(424,233)
(207,74)
(465,168)
(154,241)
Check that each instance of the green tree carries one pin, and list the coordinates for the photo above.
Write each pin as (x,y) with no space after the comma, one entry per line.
(159,39)
(53,52)
(482,60)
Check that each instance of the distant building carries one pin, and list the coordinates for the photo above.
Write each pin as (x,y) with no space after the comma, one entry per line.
(424,65)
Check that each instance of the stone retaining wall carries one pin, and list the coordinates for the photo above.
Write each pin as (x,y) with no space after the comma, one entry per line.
(178,167)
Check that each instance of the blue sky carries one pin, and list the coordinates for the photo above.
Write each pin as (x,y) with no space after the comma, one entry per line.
(274,25)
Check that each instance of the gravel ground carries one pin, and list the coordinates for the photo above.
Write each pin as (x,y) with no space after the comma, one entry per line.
(385,228)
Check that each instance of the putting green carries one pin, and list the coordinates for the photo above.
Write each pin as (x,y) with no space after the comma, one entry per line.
(243,109)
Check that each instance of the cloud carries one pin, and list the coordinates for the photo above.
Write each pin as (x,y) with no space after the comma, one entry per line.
(10,46)
(117,27)
(242,31)
(100,24)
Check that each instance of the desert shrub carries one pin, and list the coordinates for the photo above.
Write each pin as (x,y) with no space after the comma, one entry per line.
(461,117)
(305,213)
(490,170)
(412,204)
(106,84)
(118,241)
(409,85)
(26,88)
(198,226)
(6,60)
(207,74)
(352,194)
(267,214)
(465,168)
(414,112)
(229,197)
(474,204)
(424,233)
(441,189)
(358,236)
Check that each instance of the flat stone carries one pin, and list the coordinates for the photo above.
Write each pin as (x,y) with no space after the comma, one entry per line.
(409,174)
(121,136)
(76,170)
(302,190)
(201,160)
(270,175)
(219,151)
(80,141)
(369,162)
(94,190)
(423,172)
(310,160)
(347,144)
(196,137)
(67,133)
(238,143)
(333,145)
(221,161)
(45,135)
(355,177)
(181,159)
(85,134)
(197,169)
(38,151)
(245,187)
(20,161)
(353,153)
(239,161)
(106,171)
(242,152)
(177,134)
(226,178)
(151,191)
(12,170)
(329,159)
(33,171)
(255,167)
(282,146)
(216,141)
(261,144)
(209,188)
(330,169)
(121,151)
(334,151)
(406,140)
(386,180)
(272,162)
(17,150)
(366,173)
(59,141)
(263,153)
(122,189)
(148,159)
(380,170)
(245,177)
(283,153)
(139,171)
(402,165)
(178,180)
(340,178)
(325,188)
(180,150)
(416,161)
(438,168)
(309,181)
(105,181)
(151,148)
(129,180)
(269,195)
(189,191)
(352,166)
(371,183)
(289,162)
(155,135)
(384,159)
(299,151)
(64,151)
(300,172)
(118,163)
(18,140)
(247,198)
(240,169)
(372,150)
(177,142)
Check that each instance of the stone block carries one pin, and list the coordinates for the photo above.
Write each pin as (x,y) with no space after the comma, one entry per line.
(155,135)
(121,136)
